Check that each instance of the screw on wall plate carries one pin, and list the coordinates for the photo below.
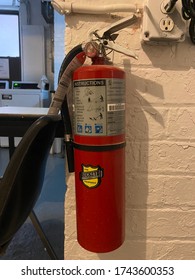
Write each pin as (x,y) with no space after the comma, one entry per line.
(166,24)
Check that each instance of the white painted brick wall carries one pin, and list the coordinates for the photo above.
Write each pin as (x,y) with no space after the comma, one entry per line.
(160,152)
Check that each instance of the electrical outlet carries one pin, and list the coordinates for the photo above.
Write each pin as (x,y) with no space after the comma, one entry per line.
(166,24)
(160,27)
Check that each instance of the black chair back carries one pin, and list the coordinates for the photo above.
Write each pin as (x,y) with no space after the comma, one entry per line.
(22,181)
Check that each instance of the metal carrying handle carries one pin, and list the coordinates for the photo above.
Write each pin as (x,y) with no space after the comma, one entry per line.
(106,36)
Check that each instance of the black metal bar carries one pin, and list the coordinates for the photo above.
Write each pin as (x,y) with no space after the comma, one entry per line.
(42,236)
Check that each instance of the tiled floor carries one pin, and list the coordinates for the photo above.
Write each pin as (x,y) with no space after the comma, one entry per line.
(26,244)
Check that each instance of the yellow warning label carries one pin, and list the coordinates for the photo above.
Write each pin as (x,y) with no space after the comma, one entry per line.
(91,175)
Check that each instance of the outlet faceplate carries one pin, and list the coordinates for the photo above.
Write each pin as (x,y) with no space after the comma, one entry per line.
(166,24)
(160,27)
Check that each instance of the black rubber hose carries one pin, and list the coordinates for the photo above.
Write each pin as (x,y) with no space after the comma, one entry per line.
(68,58)
(68,135)
(65,111)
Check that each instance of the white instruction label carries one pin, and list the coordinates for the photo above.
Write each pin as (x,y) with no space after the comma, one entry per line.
(99,107)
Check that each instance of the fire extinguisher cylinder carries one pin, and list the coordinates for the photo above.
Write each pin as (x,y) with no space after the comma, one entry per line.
(99,153)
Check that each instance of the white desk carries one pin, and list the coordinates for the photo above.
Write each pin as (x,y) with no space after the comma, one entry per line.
(14,121)
(23,111)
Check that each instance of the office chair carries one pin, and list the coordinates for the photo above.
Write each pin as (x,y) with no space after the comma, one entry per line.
(22,181)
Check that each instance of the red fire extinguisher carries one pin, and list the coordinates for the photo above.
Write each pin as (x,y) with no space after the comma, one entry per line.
(98,138)
(99,154)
